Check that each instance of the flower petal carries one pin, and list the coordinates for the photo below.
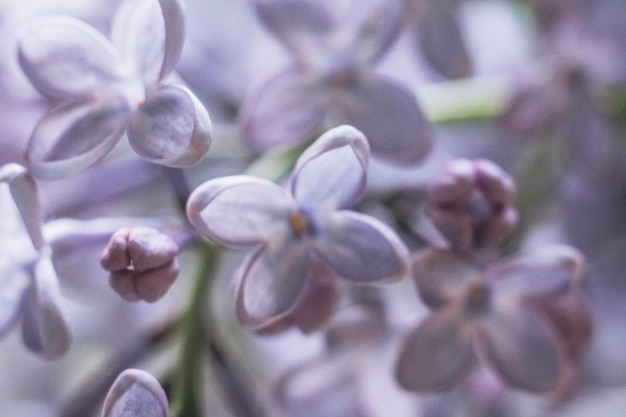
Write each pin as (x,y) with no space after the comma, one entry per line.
(238,210)
(137,393)
(332,172)
(522,348)
(361,248)
(45,327)
(390,118)
(547,273)
(286,110)
(271,282)
(296,23)
(443,276)
(72,137)
(66,58)
(375,25)
(171,128)
(438,353)
(440,38)
(14,285)
(149,35)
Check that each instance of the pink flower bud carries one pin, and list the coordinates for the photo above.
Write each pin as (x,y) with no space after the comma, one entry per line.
(142,262)
(470,204)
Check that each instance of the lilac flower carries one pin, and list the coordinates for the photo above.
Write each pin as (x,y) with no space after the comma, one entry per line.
(135,393)
(488,314)
(105,89)
(470,204)
(30,288)
(142,262)
(292,229)
(330,78)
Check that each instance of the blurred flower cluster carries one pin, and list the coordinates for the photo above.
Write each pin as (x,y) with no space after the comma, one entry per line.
(294,208)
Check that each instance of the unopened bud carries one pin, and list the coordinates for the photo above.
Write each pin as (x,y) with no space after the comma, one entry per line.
(143,263)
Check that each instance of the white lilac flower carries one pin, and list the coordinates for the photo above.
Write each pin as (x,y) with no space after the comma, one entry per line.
(107,88)
(30,288)
(135,393)
(334,46)
(490,315)
(293,228)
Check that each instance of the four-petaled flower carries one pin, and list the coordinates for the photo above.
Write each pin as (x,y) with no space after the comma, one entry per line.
(330,79)
(107,88)
(488,314)
(292,229)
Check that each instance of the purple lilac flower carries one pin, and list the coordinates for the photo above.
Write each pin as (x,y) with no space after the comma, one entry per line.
(107,88)
(331,79)
(30,288)
(291,229)
(488,315)
(135,393)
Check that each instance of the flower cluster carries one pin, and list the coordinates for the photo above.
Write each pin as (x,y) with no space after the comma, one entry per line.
(488,310)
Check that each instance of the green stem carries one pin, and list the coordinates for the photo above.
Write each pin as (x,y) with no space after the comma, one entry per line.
(189,372)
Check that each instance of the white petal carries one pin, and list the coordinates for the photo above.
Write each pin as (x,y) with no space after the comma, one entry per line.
(66,58)
(239,210)
(135,393)
(361,248)
(270,283)
(332,172)
(171,128)
(72,137)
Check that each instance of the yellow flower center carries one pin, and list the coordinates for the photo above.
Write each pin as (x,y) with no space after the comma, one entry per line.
(299,223)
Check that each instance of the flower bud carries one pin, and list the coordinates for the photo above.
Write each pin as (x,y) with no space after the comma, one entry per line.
(142,262)
(470,204)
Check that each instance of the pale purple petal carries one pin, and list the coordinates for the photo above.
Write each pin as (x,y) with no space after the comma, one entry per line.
(149,35)
(45,327)
(25,193)
(14,284)
(546,273)
(390,117)
(443,276)
(171,128)
(361,248)
(72,137)
(239,210)
(66,58)
(286,110)
(175,30)
(135,393)
(296,23)
(270,283)
(375,25)
(332,172)
(441,41)
(522,348)
(438,354)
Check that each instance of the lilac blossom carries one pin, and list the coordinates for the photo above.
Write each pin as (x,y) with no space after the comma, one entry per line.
(486,314)
(142,262)
(334,48)
(137,393)
(30,288)
(107,88)
(293,228)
